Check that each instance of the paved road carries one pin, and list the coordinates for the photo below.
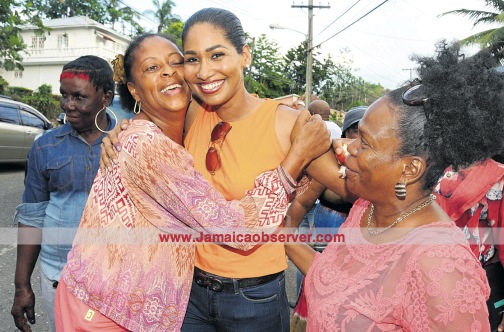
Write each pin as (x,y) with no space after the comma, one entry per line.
(11,191)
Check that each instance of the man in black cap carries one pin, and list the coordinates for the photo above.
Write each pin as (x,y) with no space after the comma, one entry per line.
(350,127)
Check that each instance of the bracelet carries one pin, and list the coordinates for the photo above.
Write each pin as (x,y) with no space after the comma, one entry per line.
(287,178)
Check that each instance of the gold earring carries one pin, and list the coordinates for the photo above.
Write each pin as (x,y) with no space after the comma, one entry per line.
(135,110)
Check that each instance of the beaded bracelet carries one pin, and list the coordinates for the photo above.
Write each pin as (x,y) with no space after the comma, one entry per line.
(288,178)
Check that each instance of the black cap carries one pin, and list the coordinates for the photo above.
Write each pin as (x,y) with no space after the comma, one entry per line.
(354,115)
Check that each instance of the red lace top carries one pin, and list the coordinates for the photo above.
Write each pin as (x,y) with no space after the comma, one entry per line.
(427,281)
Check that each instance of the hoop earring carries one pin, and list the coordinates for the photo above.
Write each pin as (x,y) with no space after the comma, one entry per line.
(64,119)
(135,110)
(96,119)
(400,190)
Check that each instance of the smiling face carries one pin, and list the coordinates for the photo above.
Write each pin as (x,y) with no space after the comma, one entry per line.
(158,78)
(80,101)
(373,166)
(213,67)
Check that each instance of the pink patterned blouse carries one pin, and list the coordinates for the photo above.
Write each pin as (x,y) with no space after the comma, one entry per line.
(427,281)
(118,264)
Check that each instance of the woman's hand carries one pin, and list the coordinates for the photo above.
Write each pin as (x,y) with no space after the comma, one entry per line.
(110,144)
(310,135)
(339,146)
(500,328)
(23,308)
(310,138)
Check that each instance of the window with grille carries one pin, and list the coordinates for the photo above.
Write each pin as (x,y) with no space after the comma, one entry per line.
(38,44)
(63,41)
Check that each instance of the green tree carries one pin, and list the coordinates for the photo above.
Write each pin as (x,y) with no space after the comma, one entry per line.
(106,12)
(115,13)
(266,77)
(295,68)
(163,13)
(13,14)
(492,39)
(175,30)
(129,22)
(94,9)
(4,85)
(44,101)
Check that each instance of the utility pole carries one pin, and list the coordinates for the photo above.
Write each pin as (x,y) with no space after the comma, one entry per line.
(410,72)
(309,51)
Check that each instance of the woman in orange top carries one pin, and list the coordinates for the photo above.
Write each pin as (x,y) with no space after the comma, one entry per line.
(215,55)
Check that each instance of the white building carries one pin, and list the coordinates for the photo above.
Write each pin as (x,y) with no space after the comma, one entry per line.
(68,39)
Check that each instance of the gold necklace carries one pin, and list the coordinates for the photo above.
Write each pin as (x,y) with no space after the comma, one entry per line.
(398,220)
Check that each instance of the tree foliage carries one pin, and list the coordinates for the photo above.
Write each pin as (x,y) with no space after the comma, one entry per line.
(163,13)
(107,12)
(492,39)
(175,30)
(271,75)
(266,77)
(13,15)
(94,9)
(335,82)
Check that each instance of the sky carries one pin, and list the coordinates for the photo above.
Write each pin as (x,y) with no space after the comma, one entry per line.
(379,45)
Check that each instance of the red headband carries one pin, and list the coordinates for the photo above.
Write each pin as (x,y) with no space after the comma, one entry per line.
(67,74)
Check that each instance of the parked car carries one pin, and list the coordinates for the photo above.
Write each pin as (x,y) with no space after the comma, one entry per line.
(119,111)
(19,126)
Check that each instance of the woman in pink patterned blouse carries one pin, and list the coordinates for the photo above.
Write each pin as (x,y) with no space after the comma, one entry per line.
(401,263)
(131,265)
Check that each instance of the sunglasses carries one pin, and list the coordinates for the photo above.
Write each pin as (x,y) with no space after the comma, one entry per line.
(212,160)
(415,96)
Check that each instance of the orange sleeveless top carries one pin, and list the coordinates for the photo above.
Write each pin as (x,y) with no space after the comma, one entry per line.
(250,148)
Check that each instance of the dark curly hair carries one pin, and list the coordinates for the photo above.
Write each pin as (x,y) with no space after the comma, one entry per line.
(99,71)
(127,100)
(463,120)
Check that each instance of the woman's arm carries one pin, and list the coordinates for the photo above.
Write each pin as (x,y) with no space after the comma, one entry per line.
(301,254)
(324,169)
(303,203)
(160,171)
(30,217)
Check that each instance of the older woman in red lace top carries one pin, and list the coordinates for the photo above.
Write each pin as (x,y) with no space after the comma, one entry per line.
(404,265)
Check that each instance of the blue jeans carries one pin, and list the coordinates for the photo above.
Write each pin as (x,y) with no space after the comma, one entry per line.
(253,309)
(327,220)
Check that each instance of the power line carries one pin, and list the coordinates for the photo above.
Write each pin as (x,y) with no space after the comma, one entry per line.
(337,18)
(138,13)
(410,72)
(309,48)
(348,26)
